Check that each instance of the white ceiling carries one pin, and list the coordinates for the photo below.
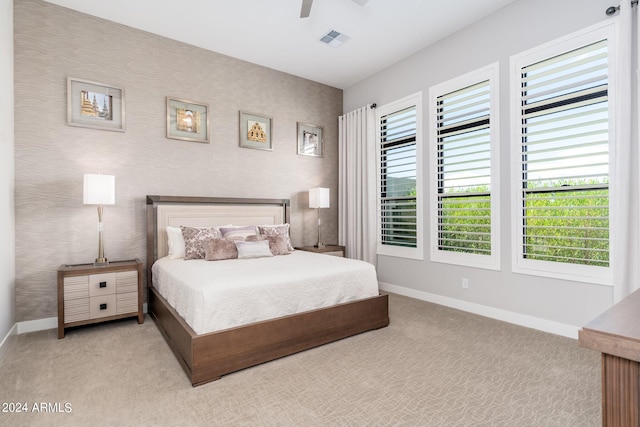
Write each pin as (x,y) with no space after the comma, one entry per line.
(271,32)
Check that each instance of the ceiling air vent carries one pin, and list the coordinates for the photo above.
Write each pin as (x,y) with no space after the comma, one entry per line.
(334,38)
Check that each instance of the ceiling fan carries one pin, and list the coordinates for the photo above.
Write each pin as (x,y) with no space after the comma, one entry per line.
(306,6)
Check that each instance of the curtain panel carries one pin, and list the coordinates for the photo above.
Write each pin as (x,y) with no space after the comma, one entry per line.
(625,254)
(357,184)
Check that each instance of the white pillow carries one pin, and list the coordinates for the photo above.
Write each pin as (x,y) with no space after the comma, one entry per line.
(175,242)
(257,249)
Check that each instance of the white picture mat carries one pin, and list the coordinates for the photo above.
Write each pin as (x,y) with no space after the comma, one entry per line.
(75,87)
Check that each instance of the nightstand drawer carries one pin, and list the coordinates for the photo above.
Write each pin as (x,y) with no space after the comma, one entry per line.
(102,284)
(334,250)
(126,303)
(76,310)
(334,253)
(127,281)
(102,306)
(76,287)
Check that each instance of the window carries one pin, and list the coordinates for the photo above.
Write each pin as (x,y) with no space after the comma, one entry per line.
(464,170)
(399,183)
(562,96)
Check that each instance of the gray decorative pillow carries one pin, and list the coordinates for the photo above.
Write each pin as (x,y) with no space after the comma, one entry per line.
(219,249)
(238,233)
(248,250)
(277,230)
(195,240)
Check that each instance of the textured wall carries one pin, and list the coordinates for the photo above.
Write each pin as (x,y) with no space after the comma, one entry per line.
(54,227)
(7,248)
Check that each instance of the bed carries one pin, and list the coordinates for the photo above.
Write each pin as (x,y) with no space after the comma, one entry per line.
(206,356)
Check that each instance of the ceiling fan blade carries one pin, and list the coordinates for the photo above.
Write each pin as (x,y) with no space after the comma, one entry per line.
(306,8)
(361,2)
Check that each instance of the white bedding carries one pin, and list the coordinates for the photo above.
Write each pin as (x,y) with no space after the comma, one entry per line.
(216,295)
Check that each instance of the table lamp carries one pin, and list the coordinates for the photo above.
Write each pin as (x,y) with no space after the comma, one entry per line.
(99,190)
(319,198)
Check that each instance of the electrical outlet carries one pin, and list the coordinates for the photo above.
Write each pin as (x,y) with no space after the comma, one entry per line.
(465,283)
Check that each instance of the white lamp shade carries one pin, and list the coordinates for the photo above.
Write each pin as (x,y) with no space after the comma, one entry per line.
(99,189)
(319,197)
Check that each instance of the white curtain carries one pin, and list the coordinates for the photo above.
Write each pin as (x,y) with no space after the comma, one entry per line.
(357,184)
(625,255)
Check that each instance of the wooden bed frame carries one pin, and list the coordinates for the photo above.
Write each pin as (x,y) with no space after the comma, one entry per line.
(208,356)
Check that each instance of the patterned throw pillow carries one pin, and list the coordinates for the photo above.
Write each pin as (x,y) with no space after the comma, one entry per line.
(277,230)
(195,240)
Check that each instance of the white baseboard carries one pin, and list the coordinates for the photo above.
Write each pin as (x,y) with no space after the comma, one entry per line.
(550,326)
(37,325)
(8,341)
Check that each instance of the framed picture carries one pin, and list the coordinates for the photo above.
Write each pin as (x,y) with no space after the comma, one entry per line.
(310,140)
(255,131)
(94,105)
(187,120)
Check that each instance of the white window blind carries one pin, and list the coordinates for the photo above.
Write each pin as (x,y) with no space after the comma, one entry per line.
(464,170)
(564,167)
(398,221)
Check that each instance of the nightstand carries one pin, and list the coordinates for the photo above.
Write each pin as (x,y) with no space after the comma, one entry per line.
(92,294)
(335,250)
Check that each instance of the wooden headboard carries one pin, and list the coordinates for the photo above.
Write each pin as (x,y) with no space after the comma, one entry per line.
(163,211)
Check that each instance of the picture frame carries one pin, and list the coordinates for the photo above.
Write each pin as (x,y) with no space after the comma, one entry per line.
(95,105)
(255,131)
(310,140)
(187,120)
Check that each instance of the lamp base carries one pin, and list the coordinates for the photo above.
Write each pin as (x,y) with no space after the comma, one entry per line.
(100,261)
(319,245)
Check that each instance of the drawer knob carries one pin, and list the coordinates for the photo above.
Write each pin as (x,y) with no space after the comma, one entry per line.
(103,284)
(103,306)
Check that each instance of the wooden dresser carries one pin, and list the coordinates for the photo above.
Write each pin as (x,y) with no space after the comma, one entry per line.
(616,334)
(91,294)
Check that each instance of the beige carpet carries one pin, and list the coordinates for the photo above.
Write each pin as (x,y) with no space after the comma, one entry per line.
(433,366)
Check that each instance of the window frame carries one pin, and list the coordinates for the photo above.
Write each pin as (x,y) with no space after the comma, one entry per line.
(417,253)
(553,269)
(488,73)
